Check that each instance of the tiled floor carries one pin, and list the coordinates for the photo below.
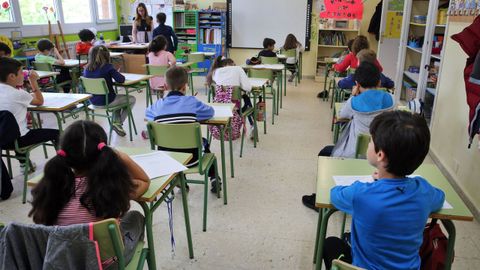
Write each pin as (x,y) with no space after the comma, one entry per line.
(264,225)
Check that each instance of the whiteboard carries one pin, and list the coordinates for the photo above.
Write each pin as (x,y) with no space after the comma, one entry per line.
(250,21)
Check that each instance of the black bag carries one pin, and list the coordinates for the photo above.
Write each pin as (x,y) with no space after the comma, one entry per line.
(9,132)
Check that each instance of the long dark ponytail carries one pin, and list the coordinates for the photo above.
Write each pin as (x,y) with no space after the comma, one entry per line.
(109,184)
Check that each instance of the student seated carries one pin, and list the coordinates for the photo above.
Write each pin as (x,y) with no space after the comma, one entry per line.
(5,51)
(291,42)
(366,55)
(226,73)
(87,38)
(365,103)
(99,66)
(16,101)
(87,181)
(268,47)
(158,55)
(167,32)
(176,107)
(388,215)
(351,61)
(46,50)
(346,52)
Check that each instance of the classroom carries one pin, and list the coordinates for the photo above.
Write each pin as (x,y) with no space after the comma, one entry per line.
(240,134)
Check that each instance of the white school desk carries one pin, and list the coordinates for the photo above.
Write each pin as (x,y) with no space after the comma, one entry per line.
(46,74)
(72,63)
(258,85)
(328,167)
(58,103)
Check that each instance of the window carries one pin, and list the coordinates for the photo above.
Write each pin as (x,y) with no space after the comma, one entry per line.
(38,11)
(73,13)
(6,12)
(104,10)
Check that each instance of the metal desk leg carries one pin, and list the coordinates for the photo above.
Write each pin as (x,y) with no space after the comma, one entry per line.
(265,111)
(279,91)
(181,176)
(321,239)
(222,150)
(450,227)
(231,148)
(284,77)
(148,226)
(320,216)
(85,108)
(59,121)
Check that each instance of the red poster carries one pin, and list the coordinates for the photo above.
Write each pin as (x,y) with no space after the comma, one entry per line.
(343,9)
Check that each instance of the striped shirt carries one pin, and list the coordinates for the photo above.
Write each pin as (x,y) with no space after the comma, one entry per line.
(74,212)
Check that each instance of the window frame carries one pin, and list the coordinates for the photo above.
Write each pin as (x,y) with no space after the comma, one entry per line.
(67,28)
(113,11)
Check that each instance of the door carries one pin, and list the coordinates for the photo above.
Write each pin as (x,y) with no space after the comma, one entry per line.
(390,30)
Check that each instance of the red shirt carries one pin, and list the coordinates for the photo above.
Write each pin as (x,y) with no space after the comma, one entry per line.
(83,47)
(351,61)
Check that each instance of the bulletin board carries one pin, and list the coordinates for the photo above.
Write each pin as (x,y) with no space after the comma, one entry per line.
(342,9)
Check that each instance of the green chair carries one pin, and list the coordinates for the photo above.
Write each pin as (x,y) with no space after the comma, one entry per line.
(188,136)
(157,71)
(362,146)
(289,54)
(269,60)
(341,265)
(25,151)
(195,58)
(49,67)
(266,74)
(99,87)
(107,234)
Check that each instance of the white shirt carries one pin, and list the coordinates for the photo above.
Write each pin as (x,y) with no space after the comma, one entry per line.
(232,76)
(15,101)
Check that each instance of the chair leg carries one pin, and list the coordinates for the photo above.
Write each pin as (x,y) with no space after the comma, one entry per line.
(225,200)
(274,105)
(344,221)
(25,177)
(205,202)
(9,164)
(241,144)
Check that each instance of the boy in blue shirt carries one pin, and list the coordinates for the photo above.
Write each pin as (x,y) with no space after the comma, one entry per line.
(178,108)
(388,215)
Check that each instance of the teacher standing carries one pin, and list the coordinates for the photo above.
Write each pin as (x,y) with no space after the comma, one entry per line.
(167,32)
(142,25)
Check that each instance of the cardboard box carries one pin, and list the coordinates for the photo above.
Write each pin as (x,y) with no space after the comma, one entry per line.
(220,6)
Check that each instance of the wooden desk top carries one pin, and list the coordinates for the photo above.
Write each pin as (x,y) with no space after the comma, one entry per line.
(46,74)
(129,46)
(257,82)
(275,67)
(131,78)
(58,102)
(328,167)
(116,54)
(219,120)
(207,54)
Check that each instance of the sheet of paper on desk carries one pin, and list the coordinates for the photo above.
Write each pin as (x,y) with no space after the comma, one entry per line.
(59,101)
(158,164)
(347,180)
(222,111)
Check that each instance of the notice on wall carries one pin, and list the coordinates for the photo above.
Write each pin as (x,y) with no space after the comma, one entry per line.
(342,9)
(393,27)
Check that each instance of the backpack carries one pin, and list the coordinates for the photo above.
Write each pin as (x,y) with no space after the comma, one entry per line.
(434,247)
(224,95)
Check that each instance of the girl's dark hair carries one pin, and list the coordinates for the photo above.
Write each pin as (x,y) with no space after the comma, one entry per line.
(291,42)
(44,45)
(360,43)
(161,18)
(86,35)
(159,43)
(98,56)
(139,18)
(403,137)
(109,184)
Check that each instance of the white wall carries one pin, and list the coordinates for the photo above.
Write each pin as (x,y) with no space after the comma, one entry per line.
(449,127)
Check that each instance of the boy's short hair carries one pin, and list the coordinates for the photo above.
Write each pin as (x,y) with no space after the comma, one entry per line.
(161,18)
(86,35)
(349,44)
(4,48)
(176,78)
(367,75)
(360,43)
(9,66)
(44,45)
(403,137)
(366,55)
(267,42)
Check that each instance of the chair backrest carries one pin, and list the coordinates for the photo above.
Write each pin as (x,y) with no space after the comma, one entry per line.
(341,265)
(42,66)
(362,146)
(96,86)
(269,60)
(290,53)
(156,70)
(195,57)
(261,73)
(110,243)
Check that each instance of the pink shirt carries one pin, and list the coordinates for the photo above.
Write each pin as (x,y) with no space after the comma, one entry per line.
(163,58)
(74,212)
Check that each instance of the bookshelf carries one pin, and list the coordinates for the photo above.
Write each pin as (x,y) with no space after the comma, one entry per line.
(212,33)
(332,41)
(185,25)
(421,53)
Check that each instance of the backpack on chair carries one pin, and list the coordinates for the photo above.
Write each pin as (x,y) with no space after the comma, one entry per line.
(433,251)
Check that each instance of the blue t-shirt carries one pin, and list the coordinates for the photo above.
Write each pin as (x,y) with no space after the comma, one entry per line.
(388,218)
(109,73)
